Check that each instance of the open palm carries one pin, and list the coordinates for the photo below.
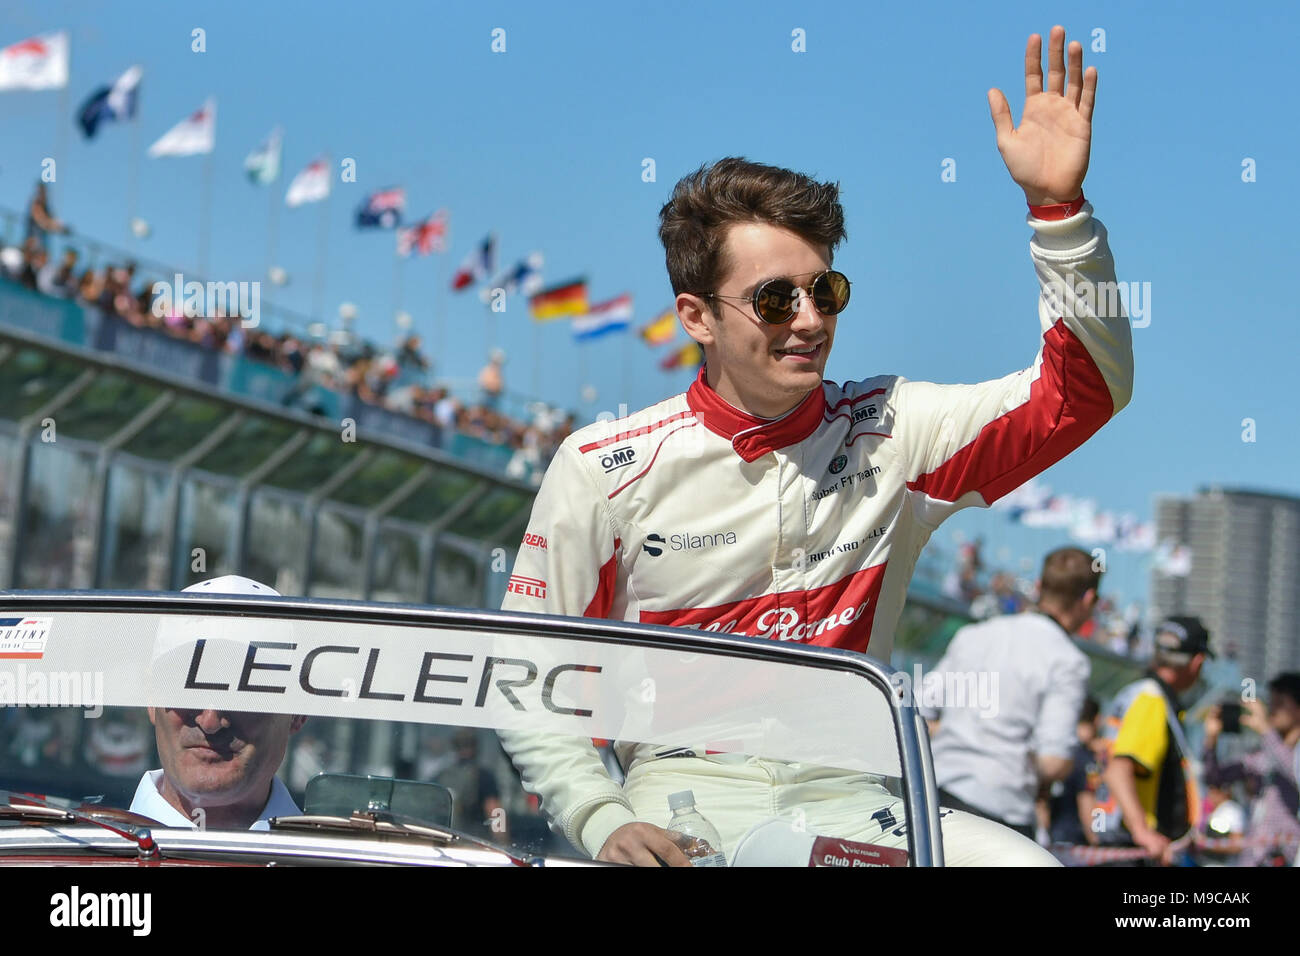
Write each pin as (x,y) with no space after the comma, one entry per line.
(1047,154)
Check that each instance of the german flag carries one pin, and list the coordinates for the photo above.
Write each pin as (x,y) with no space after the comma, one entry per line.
(662,329)
(567,298)
(688,356)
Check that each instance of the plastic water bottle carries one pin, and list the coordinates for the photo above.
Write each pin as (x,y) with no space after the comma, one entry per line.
(703,846)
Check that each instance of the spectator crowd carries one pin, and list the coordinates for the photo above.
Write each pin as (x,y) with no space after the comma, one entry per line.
(399,379)
(1117,782)
(987,591)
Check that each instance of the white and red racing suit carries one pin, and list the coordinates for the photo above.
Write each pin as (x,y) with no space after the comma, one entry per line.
(804,528)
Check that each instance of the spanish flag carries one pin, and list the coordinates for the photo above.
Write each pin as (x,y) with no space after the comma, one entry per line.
(688,356)
(568,298)
(662,330)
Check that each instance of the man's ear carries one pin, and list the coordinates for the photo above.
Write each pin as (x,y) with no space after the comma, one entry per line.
(696,318)
(152,719)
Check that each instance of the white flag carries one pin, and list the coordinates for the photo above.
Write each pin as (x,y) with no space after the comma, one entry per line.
(191,136)
(40,63)
(310,185)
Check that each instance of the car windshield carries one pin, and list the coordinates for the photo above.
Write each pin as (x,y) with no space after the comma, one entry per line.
(220,714)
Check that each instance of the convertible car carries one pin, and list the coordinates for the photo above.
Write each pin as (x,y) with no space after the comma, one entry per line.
(146,729)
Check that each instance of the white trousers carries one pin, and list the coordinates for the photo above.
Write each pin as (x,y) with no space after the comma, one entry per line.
(820,800)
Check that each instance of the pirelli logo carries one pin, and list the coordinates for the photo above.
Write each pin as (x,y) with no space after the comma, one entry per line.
(528,587)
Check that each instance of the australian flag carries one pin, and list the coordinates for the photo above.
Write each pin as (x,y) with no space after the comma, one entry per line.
(382,210)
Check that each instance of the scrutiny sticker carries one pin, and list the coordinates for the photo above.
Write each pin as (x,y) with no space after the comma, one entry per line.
(23,638)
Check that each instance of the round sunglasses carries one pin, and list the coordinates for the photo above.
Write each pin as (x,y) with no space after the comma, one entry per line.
(776,302)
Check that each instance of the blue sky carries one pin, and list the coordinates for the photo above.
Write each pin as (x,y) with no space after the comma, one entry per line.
(544,143)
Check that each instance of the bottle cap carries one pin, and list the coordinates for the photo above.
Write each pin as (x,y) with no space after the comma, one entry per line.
(681,800)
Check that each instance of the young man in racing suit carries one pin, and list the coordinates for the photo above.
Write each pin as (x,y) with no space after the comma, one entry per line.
(766,501)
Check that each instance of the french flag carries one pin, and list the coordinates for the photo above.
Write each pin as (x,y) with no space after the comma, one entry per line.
(478,265)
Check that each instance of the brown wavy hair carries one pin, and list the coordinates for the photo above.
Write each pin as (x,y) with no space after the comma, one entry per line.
(693,223)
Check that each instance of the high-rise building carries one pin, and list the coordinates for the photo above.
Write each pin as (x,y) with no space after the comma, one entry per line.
(1244,578)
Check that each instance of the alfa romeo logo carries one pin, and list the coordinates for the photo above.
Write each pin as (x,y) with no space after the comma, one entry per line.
(838,463)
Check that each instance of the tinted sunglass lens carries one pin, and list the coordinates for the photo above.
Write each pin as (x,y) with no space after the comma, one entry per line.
(774,302)
(831,293)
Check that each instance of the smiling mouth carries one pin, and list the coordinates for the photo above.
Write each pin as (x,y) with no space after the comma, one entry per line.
(802,351)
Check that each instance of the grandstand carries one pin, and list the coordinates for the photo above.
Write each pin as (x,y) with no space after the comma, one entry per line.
(145,465)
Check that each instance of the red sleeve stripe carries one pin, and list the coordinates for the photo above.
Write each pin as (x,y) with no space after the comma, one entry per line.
(643,430)
(603,600)
(1068,402)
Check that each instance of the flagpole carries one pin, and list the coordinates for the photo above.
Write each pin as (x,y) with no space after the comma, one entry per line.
(205,214)
(318,287)
(537,357)
(440,302)
(397,284)
(272,226)
(582,372)
(133,172)
(60,132)
(627,366)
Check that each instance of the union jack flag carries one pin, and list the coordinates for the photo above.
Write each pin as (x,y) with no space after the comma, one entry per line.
(429,235)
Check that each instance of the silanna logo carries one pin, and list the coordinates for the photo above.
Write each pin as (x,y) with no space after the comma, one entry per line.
(838,463)
(654,543)
(618,458)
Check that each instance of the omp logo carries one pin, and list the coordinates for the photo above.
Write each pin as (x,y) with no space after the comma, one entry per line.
(618,458)
(535,541)
(838,463)
(74,909)
(528,587)
(864,413)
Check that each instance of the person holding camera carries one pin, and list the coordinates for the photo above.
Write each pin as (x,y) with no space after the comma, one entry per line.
(1273,822)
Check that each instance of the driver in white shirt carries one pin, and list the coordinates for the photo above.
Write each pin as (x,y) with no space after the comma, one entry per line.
(218,767)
